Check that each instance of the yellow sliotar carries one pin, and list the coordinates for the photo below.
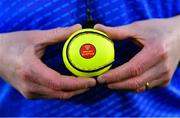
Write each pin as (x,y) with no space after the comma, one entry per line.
(88,53)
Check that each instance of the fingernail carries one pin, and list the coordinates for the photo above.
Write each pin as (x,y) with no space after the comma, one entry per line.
(92,82)
(78,26)
(98,26)
(101,79)
(110,86)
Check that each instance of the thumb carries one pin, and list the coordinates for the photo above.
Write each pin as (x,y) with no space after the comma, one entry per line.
(119,33)
(59,34)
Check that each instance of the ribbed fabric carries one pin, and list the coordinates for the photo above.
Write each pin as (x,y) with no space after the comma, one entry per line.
(18,15)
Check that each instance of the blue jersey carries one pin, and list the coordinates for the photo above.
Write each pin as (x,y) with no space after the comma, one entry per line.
(16,15)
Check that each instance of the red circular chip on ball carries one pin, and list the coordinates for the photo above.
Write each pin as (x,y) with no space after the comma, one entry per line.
(87,51)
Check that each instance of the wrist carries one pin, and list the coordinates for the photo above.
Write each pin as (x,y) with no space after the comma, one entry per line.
(178,32)
(175,22)
(1,55)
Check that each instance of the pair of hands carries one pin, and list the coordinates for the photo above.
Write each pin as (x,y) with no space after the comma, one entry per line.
(20,54)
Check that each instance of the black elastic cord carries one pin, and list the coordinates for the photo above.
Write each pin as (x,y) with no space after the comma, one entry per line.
(90,22)
(88,10)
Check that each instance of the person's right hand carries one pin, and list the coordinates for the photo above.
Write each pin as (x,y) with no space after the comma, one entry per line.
(20,54)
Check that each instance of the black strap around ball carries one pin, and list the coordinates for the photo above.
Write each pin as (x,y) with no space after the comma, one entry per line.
(90,22)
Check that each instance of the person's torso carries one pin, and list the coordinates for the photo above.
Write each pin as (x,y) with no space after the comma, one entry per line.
(18,15)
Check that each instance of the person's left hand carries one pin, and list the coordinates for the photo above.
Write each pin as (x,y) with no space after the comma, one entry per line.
(155,64)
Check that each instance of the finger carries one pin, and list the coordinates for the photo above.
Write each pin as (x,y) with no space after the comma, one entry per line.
(76,83)
(141,62)
(64,95)
(135,83)
(59,34)
(61,94)
(118,33)
(159,82)
(163,81)
(32,90)
(35,91)
(43,75)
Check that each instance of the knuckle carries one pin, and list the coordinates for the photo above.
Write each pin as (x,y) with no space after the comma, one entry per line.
(54,85)
(79,86)
(24,73)
(163,52)
(116,75)
(129,85)
(136,84)
(167,69)
(133,85)
(111,76)
(83,84)
(136,70)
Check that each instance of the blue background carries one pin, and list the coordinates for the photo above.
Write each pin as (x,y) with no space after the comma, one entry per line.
(18,15)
